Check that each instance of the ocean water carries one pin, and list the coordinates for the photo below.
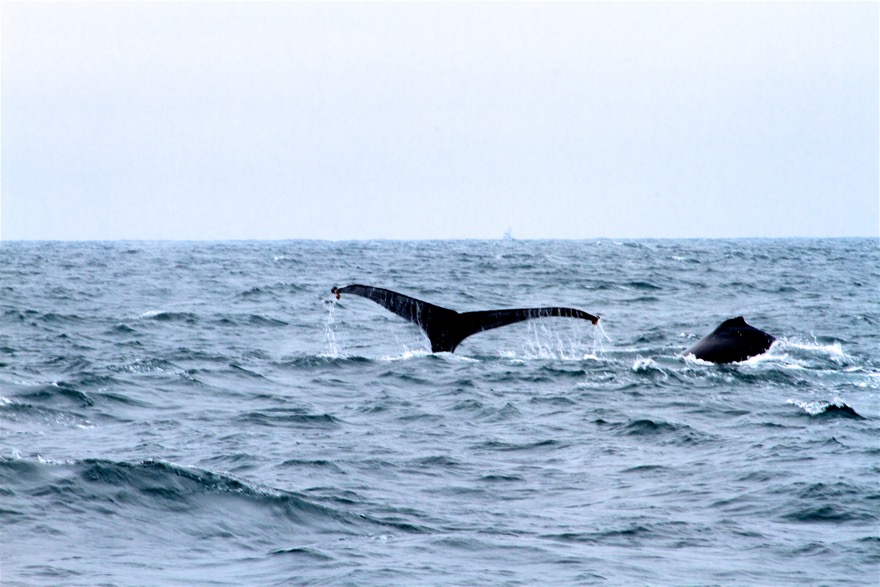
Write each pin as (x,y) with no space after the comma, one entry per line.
(208,414)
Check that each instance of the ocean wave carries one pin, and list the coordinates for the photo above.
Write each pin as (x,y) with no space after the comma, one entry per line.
(156,485)
(665,432)
(264,320)
(795,353)
(123,328)
(244,371)
(646,365)
(169,316)
(299,464)
(307,361)
(237,320)
(642,285)
(85,391)
(24,414)
(37,318)
(288,417)
(144,365)
(304,552)
(831,503)
(627,536)
(271,291)
(538,445)
(57,393)
(820,409)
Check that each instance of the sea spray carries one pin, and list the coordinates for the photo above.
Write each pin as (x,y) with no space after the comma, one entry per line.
(330,331)
(553,339)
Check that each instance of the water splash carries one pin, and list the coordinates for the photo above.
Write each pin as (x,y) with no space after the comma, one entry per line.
(796,355)
(600,337)
(543,343)
(330,332)
(549,340)
(832,351)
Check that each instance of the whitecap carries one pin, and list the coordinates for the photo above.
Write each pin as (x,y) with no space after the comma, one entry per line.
(813,408)
(833,351)
(691,360)
(150,314)
(643,365)
(408,354)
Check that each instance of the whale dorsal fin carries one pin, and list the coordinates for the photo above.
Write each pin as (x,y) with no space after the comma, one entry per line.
(733,341)
(737,322)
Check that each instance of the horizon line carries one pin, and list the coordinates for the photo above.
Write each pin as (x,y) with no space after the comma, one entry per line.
(454,239)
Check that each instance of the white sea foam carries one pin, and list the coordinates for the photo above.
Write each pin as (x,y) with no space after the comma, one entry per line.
(642,364)
(691,359)
(833,351)
(407,354)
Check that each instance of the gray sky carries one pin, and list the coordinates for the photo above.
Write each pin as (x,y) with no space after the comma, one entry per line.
(431,120)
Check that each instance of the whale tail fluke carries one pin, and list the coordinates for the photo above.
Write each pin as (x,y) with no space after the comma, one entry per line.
(447,328)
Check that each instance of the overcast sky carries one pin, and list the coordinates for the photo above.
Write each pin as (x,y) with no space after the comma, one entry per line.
(431,120)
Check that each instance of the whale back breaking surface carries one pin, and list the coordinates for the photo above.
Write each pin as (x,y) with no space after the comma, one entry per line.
(446,328)
(734,340)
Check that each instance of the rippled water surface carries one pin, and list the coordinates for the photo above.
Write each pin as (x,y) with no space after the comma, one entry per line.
(207,413)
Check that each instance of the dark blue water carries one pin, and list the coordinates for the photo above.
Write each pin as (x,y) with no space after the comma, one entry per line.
(198,413)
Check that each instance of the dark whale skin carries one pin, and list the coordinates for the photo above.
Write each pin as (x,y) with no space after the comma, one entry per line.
(733,341)
(446,328)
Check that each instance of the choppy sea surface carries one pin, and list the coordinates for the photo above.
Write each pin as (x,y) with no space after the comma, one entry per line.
(208,414)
